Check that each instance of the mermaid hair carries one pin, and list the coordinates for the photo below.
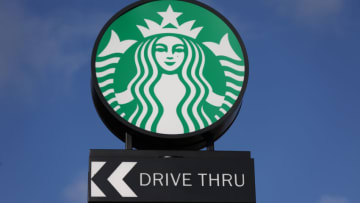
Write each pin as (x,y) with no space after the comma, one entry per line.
(190,109)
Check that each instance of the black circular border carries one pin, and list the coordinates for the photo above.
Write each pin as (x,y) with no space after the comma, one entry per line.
(143,139)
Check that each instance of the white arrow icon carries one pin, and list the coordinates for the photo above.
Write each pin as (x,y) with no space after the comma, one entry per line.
(95,167)
(117,179)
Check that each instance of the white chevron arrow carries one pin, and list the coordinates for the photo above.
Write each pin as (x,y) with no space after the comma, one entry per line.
(117,179)
(95,167)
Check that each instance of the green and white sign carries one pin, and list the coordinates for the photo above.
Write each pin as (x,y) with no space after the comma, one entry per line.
(170,67)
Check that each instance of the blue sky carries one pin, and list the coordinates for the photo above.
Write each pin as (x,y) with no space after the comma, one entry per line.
(300,116)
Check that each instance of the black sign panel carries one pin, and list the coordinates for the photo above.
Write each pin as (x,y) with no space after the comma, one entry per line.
(169,176)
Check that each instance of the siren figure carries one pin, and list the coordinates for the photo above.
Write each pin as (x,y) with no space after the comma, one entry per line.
(169,92)
(169,87)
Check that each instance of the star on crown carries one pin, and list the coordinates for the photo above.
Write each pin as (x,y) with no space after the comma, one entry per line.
(169,17)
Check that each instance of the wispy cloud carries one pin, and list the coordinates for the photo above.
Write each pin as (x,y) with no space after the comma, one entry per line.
(318,9)
(76,191)
(332,199)
(33,46)
(310,11)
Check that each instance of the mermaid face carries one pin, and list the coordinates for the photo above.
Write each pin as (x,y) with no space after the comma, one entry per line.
(169,52)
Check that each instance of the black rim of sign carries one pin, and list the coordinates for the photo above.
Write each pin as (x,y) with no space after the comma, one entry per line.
(143,139)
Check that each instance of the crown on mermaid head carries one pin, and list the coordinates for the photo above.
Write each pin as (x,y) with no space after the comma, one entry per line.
(169,17)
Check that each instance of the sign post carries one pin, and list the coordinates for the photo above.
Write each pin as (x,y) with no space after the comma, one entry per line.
(168,78)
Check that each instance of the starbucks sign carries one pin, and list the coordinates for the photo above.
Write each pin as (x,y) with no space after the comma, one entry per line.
(170,73)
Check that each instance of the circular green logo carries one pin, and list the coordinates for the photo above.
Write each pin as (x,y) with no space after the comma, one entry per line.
(170,67)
